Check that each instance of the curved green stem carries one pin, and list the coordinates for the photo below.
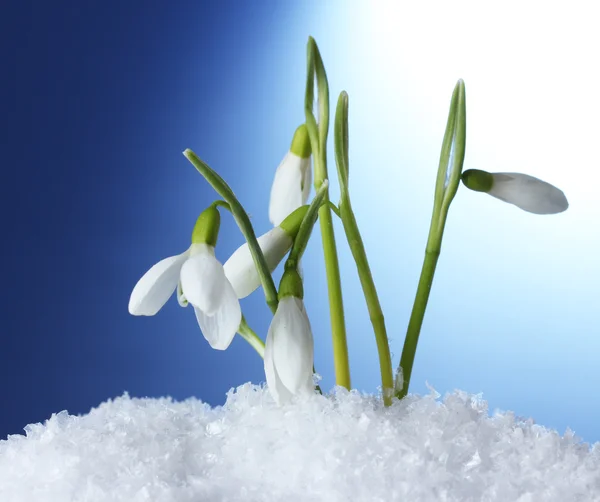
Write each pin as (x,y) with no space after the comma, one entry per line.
(318,139)
(448,178)
(416,320)
(336,305)
(248,334)
(221,203)
(306,227)
(370,293)
(243,222)
(335,209)
(359,254)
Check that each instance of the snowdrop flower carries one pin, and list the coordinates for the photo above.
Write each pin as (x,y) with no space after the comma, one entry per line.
(526,192)
(289,350)
(275,244)
(293,178)
(199,279)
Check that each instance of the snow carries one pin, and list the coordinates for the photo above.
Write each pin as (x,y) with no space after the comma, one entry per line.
(341,447)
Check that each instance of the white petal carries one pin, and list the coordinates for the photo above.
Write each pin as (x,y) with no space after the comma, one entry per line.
(528,193)
(286,191)
(292,344)
(203,281)
(220,328)
(306,179)
(156,286)
(240,268)
(308,386)
(276,388)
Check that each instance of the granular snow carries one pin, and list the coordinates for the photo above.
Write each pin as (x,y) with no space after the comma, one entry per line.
(342,447)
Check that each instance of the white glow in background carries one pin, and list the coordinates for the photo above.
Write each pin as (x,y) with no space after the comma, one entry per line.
(512,307)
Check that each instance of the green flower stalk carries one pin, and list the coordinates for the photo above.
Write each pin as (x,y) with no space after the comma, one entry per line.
(358,249)
(243,221)
(305,228)
(448,179)
(318,140)
(251,337)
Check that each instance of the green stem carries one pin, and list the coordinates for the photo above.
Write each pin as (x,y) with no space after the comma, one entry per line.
(336,306)
(243,222)
(359,254)
(221,203)
(252,338)
(335,209)
(318,138)
(448,177)
(306,227)
(370,292)
(416,320)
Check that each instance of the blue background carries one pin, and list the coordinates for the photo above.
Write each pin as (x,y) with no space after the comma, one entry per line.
(99,101)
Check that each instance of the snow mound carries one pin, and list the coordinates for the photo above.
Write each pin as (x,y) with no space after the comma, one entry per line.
(341,447)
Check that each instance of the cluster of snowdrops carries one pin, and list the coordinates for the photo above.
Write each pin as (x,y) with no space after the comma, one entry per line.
(214,290)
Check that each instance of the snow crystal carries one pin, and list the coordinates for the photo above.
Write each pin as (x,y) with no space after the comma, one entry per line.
(341,447)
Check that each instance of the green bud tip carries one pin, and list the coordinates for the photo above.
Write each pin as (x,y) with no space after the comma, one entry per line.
(291,284)
(480,181)
(207,226)
(292,222)
(301,143)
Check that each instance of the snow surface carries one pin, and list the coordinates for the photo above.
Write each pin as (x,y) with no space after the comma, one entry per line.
(343,447)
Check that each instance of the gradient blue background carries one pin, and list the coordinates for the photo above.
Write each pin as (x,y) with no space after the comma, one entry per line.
(99,101)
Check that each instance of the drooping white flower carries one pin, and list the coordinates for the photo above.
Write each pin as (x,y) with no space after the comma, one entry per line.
(293,178)
(526,192)
(200,280)
(289,349)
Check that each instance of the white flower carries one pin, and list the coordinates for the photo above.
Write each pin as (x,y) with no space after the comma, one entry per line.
(290,188)
(240,268)
(203,284)
(528,193)
(289,351)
